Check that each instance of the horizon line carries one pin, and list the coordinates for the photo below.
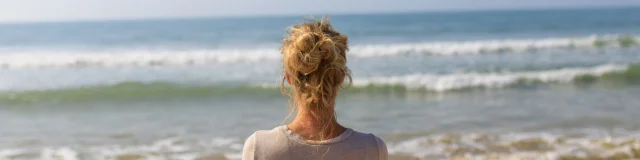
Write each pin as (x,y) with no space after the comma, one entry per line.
(316,14)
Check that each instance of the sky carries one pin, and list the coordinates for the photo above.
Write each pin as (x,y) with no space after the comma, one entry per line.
(72,10)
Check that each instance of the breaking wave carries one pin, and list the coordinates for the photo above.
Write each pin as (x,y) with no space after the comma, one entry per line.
(490,80)
(616,74)
(158,57)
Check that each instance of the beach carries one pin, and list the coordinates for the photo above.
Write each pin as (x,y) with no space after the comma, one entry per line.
(530,84)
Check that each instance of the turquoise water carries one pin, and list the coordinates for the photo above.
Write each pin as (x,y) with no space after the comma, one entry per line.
(538,84)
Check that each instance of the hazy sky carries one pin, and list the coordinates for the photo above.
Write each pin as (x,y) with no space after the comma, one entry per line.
(65,10)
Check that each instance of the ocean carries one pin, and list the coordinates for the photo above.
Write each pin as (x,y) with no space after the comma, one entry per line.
(513,84)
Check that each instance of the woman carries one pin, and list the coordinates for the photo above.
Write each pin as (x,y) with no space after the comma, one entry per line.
(314,57)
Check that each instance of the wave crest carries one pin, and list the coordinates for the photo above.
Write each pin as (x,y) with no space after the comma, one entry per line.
(38,59)
(150,57)
(489,80)
(136,91)
(497,46)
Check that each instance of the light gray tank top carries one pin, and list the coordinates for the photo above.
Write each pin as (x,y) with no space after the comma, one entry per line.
(281,143)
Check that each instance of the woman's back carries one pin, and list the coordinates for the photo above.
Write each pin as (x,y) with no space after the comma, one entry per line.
(281,143)
(315,66)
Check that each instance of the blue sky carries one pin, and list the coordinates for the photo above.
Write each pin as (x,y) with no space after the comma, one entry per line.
(69,10)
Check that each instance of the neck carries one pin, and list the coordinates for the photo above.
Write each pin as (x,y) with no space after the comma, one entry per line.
(316,125)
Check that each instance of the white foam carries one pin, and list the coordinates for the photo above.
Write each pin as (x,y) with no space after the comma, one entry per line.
(62,153)
(483,46)
(162,149)
(481,146)
(170,148)
(488,80)
(155,57)
(44,59)
(506,146)
(9,153)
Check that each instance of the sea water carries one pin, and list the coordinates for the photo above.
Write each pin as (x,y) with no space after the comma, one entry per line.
(532,84)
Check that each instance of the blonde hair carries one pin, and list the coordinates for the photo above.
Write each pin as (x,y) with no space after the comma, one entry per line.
(315,62)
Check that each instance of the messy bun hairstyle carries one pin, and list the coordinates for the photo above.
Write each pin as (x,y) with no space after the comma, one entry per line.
(314,57)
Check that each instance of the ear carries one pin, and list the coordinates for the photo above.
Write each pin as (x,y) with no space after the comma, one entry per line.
(286,76)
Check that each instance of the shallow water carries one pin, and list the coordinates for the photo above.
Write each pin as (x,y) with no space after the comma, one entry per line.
(549,120)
